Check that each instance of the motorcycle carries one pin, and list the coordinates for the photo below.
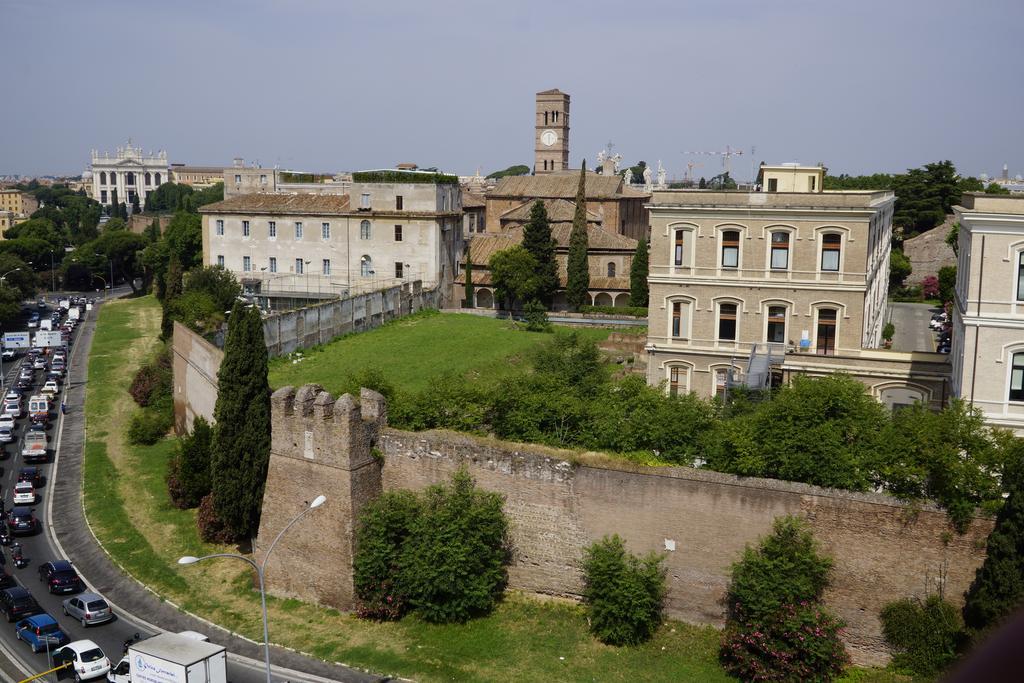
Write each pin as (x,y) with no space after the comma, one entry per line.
(19,559)
(128,643)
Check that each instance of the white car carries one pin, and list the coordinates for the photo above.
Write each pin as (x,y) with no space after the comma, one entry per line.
(39,363)
(8,354)
(86,657)
(51,388)
(12,408)
(24,493)
(6,435)
(7,421)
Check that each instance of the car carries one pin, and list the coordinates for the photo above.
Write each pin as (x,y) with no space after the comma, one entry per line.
(6,580)
(6,435)
(8,354)
(17,603)
(38,425)
(7,421)
(60,577)
(31,474)
(50,388)
(12,408)
(33,322)
(21,521)
(24,493)
(88,608)
(39,363)
(86,658)
(24,383)
(41,632)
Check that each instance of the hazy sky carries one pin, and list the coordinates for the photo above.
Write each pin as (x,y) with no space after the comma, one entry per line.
(332,85)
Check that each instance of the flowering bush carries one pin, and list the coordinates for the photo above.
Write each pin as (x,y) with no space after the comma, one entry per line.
(930,287)
(211,528)
(383,527)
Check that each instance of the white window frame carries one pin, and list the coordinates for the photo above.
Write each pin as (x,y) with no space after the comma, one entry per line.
(365,230)
(787,308)
(685,372)
(246,264)
(718,317)
(720,255)
(687,307)
(271,230)
(364,200)
(299,269)
(220,260)
(325,231)
(325,266)
(298,231)
(245,228)
(365,266)
(272,264)
(821,251)
(219,227)
(1018,351)
(771,249)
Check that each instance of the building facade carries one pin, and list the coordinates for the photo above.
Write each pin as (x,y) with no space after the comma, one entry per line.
(385,232)
(752,287)
(197,176)
(551,132)
(129,172)
(18,202)
(241,179)
(988,312)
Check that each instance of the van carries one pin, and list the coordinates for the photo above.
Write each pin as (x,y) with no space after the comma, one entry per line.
(39,407)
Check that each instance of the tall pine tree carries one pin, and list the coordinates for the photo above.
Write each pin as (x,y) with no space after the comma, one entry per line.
(470,291)
(578,270)
(538,241)
(638,276)
(241,437)
(998,588)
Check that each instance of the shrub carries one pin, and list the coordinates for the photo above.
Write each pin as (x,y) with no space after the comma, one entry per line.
(776,628)
(925,636)
(930,287)
(888,331)
(370,378)
(635,311)
(149,425)
(211,528)
(623,593)
(453,560)
(536,317)
(153,379)
(188,474)
(383,527)
(173,479)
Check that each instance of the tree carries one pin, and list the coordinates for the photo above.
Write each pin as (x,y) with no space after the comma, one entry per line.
(241,437)
(899,268)
(518,169)
(578,281)
(624,593)
(193,466)
(947,283)
(123,211)
(219,283)
(152,232)
(953,239)
(172,290)
(113,210)
(538,241)
(998,587)
(184,236)
(722,181)
(135,205)
(470,292)
(638,292)
(637,172)
(514,274)
(930,287)
(996,188)
(702,184)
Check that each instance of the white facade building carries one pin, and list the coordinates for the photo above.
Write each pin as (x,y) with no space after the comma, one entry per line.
(129,171)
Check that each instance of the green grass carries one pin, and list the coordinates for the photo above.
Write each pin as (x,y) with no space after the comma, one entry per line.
(524,639)
(415,351)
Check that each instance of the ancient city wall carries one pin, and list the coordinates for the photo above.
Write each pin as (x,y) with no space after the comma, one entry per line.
(195,363)
(559,502)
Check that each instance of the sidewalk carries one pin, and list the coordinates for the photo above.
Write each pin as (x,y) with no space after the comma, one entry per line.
(69,525)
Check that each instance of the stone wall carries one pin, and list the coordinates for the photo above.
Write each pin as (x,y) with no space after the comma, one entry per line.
(195,363)
(558,502)
(928,252)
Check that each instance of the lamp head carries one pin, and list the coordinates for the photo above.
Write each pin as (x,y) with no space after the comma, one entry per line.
(188,559)
(318,501)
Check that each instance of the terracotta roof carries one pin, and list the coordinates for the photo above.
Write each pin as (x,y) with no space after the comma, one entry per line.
(281,203)
(484,246)
(559,211)
(471,200)
(557,186)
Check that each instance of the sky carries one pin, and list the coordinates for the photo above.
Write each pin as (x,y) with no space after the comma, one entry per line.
(334,85)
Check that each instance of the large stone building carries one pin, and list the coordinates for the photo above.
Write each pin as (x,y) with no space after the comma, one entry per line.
(395,226)
(197,176)
(988,313)
(20,203)
(129,171)
(752,287)
(609,259)
(255,179)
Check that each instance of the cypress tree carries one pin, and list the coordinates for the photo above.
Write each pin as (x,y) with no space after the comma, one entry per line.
(115,207)
(578,270)
(172,290)
(538,241)
(998,588)
(194,472)
(638,276)
(123,211)
(470,291)
(241,437)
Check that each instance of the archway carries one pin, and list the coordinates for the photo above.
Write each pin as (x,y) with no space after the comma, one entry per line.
(622,300)
(603,299)
(484,298)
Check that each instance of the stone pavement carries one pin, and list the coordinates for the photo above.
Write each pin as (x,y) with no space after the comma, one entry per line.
(70,526)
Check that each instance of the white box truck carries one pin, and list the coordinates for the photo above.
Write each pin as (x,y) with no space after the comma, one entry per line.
(172,658)
(75,312)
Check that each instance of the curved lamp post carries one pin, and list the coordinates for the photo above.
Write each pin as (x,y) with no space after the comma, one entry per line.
(260,568)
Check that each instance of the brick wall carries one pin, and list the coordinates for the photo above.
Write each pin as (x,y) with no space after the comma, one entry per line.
(558,502)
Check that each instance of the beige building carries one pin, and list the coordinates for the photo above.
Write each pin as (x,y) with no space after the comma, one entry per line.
(7,219)
(18,202)
(473,213)
(609,259)
(751,287)
(396,226)
(791,178)
(988,314)
(241,179)
(197,176)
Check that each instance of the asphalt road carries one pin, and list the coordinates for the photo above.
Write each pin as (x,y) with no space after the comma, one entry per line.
(912,331)
(63,533)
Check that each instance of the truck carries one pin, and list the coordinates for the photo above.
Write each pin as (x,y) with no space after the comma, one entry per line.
(75,312)
(65,304)
(34,448)
(46,324)
(39,408)
(172,658)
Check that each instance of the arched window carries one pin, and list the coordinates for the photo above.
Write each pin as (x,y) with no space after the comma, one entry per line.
(364,230)
(677,247)
(826,344)
(831,244)
(731,249)
(1017,377)
(103,177)
(678,380)
(129,178)
(158,179)
(366,266)
(1020,276)
(727,322)
(611,269)
(780,250)
(113,178)
(149,178)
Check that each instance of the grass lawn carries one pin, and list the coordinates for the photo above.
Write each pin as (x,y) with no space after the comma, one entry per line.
(523,640)
(414,351)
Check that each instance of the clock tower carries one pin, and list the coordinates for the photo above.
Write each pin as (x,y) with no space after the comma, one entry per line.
(551,136)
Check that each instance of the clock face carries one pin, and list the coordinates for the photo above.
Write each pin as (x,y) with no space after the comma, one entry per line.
(549,137)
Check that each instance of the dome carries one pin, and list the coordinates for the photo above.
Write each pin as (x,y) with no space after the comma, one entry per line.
(87,174)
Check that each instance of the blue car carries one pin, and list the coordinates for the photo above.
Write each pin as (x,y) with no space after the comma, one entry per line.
(38,630)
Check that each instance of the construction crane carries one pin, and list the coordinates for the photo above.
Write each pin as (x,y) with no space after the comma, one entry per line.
(726,155)
(690,165)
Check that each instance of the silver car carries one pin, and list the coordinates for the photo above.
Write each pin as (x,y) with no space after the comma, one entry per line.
(88,608)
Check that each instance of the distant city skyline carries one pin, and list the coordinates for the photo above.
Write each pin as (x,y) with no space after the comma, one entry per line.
(320,86)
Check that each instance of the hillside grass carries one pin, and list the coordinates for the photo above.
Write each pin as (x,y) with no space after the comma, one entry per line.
(413,352)
(524,639)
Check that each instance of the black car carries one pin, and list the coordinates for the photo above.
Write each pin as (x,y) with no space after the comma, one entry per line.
(17,602)
(20,520)
(32,474)
(60,577)
(25,383)
(6,580)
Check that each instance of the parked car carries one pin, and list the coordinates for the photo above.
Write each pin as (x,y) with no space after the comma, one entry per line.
(21,521)
(41,632)
(88,608)
(31,474)
(60,577)
(24,493)
(86,659)
(17,603)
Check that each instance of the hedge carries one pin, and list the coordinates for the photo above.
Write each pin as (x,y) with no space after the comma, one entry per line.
(404,177)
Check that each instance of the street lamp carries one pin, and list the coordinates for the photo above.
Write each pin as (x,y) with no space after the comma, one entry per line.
(260,569)
(53,277)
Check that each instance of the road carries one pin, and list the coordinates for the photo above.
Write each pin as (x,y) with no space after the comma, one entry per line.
(912,331)
(63,473)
